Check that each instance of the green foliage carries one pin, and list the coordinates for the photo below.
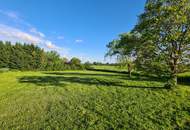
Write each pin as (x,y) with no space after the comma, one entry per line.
(125,49)
(160,42)
(88,65)
(165,34)
(75,61)
(91,100)
(126,45)
(31,57)
(4,54)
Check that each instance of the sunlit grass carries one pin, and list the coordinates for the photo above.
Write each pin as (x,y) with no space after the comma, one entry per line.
(90,100)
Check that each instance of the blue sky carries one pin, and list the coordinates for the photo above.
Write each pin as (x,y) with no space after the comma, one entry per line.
(79,28)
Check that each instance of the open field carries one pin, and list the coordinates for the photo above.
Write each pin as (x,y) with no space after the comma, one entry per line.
(91,100)
(95,65)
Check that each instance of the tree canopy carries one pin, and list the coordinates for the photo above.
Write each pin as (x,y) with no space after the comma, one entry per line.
(160,42)
(30,57)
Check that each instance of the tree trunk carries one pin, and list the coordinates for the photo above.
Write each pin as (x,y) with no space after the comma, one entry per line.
(129,69)
(174,80)
(129,74)
(174,71)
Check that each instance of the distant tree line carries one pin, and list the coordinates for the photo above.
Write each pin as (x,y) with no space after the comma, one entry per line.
(100,63)
(31,57)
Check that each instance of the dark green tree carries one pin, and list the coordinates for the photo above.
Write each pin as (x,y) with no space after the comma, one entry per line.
(30,57)
(75,61)
(165,30)
(125,49)
(4,55)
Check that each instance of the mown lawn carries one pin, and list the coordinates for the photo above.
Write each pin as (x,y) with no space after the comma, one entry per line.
(109,67)
(91,100)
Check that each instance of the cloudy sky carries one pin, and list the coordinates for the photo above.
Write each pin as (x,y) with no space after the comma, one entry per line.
(79,28)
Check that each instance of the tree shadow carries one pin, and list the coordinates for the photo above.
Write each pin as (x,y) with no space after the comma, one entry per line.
(60,81)
(121,76)
(111,71)
(42,80)
(184,80)
(82,74)
(137,74)
(144,77)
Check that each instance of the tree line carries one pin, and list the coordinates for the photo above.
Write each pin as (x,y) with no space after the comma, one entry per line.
(31,57)
(160,41)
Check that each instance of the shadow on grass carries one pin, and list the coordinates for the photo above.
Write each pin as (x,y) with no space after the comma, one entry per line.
(111,71)
(42,80)
(184,80)
(143,76)
(121,76)
(83,74)
(123,72)
(60,81)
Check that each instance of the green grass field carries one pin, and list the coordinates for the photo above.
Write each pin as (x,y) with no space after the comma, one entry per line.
(108,67)
(91,100)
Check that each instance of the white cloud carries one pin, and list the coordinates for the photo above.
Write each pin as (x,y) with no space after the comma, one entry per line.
(78,41)
(9,33)
(60,37)
(64,52)
(15,16)
(50,45)
(12,34)
(36,32)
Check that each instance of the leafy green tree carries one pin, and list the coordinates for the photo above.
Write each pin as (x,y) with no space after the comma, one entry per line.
(75,61)
(165,30)
(42,60)
(125,49)
(87,65)
(65,60)
(4,55)
(27,54)
(53,60)
(30,57)
(15,57)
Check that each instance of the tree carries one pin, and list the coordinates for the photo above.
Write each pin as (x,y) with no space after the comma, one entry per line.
(75,61)
(53,60)
(4,55)
(125,49)
(65,60)
(165,30)
(125,62)
(42,59)
(87,65)
(30,57)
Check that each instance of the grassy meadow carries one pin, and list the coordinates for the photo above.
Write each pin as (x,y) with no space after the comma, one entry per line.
(93,100)
(109,67)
